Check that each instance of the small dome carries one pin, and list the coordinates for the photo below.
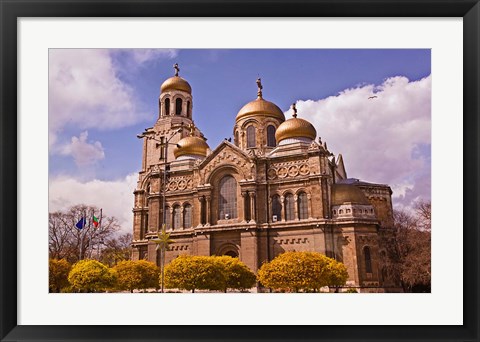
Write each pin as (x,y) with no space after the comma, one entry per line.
(343,193)
(176,83)
(261,107)
(295,128)
(191,146)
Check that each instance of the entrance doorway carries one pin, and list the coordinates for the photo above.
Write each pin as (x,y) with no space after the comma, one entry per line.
(231,253)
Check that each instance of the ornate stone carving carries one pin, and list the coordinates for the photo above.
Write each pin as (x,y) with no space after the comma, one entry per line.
(272,173)
(179,184)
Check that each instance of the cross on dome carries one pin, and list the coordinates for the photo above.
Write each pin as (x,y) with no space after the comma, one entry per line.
(294,107)
(191,128)
(177,69)
(260,87)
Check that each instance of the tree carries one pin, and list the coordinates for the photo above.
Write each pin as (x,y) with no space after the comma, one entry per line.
(162,242)
(116,249)
(408,249)
(237,275)
(195,272)
(91,276)
(58,274)
(66,241)
(295,271)
(139,274)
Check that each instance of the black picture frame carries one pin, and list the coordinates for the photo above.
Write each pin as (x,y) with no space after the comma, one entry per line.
(11,10)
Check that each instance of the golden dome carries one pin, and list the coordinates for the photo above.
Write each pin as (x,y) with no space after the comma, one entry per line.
(191,146)
(342,193)
(295,128)
(176,83)
(261,107)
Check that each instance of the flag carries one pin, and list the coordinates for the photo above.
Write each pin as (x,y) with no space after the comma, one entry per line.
(81,224)
(95,221)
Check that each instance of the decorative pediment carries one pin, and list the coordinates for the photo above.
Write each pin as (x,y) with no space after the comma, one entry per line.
(227,154)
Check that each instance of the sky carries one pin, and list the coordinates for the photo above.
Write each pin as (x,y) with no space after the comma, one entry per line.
(100,99)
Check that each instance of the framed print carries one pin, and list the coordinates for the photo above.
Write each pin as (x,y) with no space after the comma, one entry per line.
(267,187)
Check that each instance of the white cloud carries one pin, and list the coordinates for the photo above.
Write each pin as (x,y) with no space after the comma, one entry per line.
(114,197)
(85,92)
(141,56)
(83,152)
(381,139)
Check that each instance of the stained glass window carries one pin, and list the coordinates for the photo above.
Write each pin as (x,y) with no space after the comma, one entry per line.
(289,207)
(251,136)
(302,206)
(227,202)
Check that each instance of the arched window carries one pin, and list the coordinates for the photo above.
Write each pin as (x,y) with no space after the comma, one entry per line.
(277,207)
(177,217)
(251,136)
(302,206)
(149,188)
(167,106)
(289,207)
(271,136)
(188,109)
(187,216)
(227,198)
(178,106)
(368,259)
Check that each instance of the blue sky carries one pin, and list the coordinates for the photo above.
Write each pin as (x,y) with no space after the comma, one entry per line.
(101,99)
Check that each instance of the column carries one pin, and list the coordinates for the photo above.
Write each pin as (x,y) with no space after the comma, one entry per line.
(295,206)
(251,194)
(200,199)
(182,217)
(282,208)
(207,212)
(309,199)
(244,205)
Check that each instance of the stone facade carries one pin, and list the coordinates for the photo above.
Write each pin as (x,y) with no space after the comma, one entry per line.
(256,202)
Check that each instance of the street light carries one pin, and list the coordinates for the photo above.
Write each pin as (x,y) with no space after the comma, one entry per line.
(166,143)
(163,239)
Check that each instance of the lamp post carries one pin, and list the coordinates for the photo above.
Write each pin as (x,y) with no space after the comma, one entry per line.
(163,238)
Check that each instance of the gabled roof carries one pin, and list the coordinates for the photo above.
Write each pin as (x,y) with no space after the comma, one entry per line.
(224,144)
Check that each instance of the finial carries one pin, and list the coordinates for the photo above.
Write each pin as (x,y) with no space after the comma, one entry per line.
(294,107)
(177,69)
(260,87)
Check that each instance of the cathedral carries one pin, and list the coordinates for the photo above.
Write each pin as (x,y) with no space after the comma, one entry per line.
(275,188)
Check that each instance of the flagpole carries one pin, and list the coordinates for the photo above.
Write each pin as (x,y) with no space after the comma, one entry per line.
(98,233)
(81,239)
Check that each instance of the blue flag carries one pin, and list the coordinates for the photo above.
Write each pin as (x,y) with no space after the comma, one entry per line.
(81,224)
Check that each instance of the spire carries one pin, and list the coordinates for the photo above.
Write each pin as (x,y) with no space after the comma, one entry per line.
(294,107)
(260,87)
(340,167)
(177,69)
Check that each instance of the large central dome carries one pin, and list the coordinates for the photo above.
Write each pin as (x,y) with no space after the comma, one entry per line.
(261,107)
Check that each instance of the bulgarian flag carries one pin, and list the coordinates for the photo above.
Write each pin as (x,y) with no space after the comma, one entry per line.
(95,220)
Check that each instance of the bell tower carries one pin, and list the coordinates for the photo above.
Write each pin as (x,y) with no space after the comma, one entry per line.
(175,97)
(175,105)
